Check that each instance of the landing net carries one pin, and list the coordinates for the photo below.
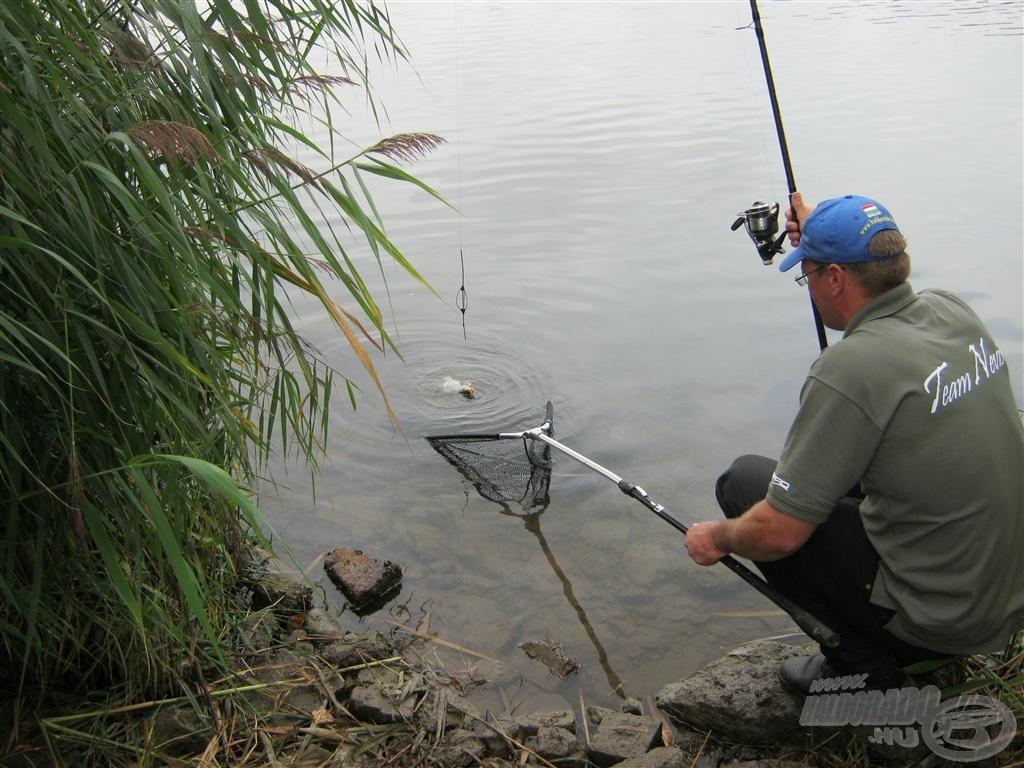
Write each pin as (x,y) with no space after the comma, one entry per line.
(507,468)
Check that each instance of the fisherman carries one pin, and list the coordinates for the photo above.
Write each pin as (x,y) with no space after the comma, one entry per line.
(895,513)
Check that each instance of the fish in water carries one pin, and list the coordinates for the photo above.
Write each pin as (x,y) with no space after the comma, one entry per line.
(454,386)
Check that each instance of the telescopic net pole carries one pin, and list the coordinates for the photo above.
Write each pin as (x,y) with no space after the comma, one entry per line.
(809,623)
(515,467)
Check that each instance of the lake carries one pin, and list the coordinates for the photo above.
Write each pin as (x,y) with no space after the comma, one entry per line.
(598,154)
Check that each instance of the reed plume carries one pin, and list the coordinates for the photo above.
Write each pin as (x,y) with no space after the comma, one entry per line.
(173,141)
(407,146)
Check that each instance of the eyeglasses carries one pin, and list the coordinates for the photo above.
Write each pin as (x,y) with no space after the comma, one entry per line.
(801,279)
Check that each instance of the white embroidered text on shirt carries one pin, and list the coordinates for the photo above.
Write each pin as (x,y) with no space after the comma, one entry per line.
(948,391)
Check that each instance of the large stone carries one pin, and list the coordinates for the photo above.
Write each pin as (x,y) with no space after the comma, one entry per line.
(620,736)
(365,581)
(739,698)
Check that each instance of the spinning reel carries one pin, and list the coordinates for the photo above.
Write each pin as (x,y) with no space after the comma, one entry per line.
(762,222)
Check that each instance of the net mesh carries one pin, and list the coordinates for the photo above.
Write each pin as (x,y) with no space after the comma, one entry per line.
(505,470)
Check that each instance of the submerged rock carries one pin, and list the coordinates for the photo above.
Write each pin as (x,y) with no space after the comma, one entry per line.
(550,654)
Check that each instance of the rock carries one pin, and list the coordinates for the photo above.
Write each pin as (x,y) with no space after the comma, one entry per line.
(659,757)
(259,631)
(443,707)
(365,581)
(320,627)
(282,593)
(556,744)
(399,679)
(562,718)
(738,698)
(633,706)
(596,714)
(700,751)
(355,649)
(496,735)
(550,654)
(382,695)
(620,736)
(373,704)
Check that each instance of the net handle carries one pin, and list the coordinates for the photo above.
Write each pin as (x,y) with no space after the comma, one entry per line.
(809,623)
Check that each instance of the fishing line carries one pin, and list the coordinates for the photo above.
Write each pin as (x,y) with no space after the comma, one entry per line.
(755,98)
(461,297)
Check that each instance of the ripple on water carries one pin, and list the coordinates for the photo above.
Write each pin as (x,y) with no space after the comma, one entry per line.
(512,383)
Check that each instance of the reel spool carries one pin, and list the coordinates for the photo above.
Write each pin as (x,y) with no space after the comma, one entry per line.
(762,223)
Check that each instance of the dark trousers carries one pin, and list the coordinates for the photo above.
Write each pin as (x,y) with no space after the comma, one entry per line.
(831,576)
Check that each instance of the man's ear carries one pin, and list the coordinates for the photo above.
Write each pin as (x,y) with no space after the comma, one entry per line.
(836,278)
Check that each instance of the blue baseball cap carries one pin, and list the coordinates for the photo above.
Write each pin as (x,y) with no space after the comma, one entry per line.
(838,231)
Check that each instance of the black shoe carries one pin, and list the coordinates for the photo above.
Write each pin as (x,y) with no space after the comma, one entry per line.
(798,673)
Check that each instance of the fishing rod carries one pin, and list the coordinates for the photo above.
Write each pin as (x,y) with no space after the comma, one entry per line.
(761,220)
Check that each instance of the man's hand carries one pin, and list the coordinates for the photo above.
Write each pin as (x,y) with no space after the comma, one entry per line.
(700,543)
(762,533)
(797,212)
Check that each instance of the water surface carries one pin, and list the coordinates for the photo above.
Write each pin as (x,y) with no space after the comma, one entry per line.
(598,153)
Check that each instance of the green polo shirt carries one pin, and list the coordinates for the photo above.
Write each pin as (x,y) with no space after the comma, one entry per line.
(915,404)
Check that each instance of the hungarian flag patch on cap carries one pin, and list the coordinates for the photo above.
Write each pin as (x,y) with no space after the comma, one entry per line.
(871,210)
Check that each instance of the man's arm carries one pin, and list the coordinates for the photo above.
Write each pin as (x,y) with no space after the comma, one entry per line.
(762,533)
